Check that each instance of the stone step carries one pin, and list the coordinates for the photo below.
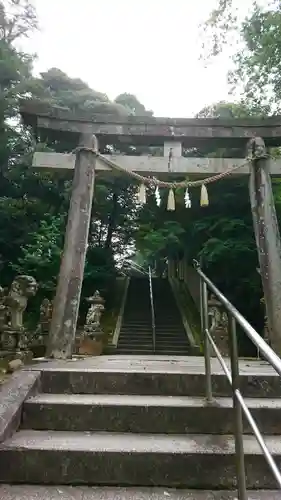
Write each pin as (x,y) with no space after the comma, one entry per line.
(26,492)
(171,341)
(134,339)
(136,329)
(134,351)
(172,348)
(137,323)
(140,351)
(154,376)
(138,346)
(168,325)
(169,333)
(191,461)
(174,352)
(145,414)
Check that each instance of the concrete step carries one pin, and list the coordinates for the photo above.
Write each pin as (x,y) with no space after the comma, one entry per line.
(140,342)
(136,332)
(145,414)
(126,343)
(26,492)
(134,351)
(191,461)
(137,321)
(140,351)
(174,352)
(172,347)
(144,339)
(176,325)
(155,376)
(172,330)
(136,328)
(170,333)
(134,341)
(177,343)
(171,341)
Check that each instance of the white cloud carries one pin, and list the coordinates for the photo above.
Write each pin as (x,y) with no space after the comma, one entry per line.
(146,47)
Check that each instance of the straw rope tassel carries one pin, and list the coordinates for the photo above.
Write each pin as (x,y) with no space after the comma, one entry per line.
(204,199)
(142,194)
(171,205)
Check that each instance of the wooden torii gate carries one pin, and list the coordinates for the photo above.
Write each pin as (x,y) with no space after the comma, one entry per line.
(86,129)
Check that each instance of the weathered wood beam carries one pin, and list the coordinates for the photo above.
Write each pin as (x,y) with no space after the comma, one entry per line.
(67,299)
(267,238)
(153,165)
(138,129)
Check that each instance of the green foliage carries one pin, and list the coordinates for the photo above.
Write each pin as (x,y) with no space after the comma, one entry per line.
(72,93)
(255,37)
(40,256)
(258,63)
(34,204)
(221,21)
(131,103)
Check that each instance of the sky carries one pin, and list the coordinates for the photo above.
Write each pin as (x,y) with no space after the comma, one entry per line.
(149,48)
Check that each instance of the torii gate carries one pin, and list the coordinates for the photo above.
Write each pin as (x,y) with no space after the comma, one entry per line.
(252,134)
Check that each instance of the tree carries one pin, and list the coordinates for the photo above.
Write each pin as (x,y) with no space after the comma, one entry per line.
(74,94)
(34,204)
(130,102)
(257,52)
(17,19)
(258,65)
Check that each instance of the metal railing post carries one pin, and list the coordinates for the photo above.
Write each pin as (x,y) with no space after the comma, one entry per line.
(152,310)
(239,405)
(238,421)
(207,353)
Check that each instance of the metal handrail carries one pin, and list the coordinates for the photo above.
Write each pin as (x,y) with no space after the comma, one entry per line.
(152,309)
(239,404)
(135,266)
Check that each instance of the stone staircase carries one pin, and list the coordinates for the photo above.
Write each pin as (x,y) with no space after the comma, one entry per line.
(136,331)
(171,337)
(142,422)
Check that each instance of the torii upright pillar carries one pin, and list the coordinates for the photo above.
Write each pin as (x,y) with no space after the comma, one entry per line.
(68,292)
(267,238)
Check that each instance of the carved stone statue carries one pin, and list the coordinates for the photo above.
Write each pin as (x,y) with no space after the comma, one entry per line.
(219,319)
(21,289)
(12,307)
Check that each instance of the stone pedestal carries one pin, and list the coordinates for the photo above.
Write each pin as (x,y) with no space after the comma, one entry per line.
(92,337)
(91,346)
